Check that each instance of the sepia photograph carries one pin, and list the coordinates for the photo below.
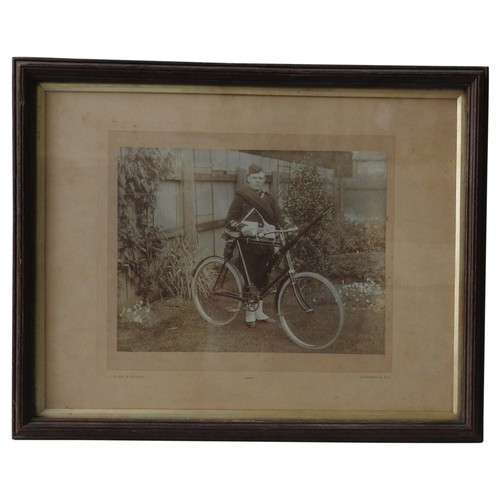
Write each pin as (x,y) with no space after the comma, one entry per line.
(277,251)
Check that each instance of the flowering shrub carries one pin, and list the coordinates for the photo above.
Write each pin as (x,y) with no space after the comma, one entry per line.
(136,315)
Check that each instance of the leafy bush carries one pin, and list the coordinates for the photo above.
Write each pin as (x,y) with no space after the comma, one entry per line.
(354,236)
(307,195)
(363,266)
(337,247)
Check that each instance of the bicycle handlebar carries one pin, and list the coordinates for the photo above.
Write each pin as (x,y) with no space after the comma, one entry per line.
(300,232)
(279,231)
(305,229)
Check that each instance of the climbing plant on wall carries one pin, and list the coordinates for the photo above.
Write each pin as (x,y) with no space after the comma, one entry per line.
(141,171)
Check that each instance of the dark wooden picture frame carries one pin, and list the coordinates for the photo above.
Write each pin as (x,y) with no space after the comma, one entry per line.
(29,74)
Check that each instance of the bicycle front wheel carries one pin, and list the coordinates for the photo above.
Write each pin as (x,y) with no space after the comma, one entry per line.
(217,291)
(310,310)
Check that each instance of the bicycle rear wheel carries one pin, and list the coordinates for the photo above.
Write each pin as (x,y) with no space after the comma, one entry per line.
(217,291)
(310,310)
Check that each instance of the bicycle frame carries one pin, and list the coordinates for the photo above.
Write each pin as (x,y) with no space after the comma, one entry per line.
(274,259)
(283,249)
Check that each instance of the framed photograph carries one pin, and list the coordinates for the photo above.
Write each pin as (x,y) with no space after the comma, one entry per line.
(248,252)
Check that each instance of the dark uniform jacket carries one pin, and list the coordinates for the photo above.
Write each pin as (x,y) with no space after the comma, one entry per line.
(265,207)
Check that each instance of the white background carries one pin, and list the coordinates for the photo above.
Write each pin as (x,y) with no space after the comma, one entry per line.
(352,32)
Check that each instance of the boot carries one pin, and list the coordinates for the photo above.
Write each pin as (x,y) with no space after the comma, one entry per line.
(261,316)
(250,319)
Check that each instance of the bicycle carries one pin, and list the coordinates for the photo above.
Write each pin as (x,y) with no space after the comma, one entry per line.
(308,305)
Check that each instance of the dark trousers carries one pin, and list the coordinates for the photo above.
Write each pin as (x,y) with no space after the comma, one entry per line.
(256,264)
